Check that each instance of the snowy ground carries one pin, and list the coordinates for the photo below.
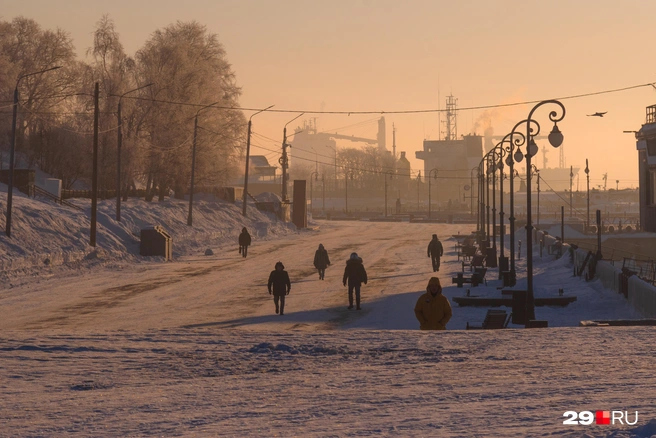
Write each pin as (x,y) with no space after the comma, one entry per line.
(193,347)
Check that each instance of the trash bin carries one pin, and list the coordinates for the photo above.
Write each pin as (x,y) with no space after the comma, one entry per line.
(519,298)
(156,242)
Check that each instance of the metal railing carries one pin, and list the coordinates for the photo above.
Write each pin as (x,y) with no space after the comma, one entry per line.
(38,191)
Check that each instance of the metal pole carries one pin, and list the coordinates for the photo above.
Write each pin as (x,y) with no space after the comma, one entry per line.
(323,190)
(10,187)
(487,205)
(94,180)
(248,150)
(587,214)
(571,177)
(494,210)
(118,163)
(118,151)
(385,176)
(502,231)
(562,224)
(283,164)
(193,170)
(346,193)
(429,197)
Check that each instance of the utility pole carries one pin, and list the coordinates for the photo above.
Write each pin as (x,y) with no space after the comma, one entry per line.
(571,178)
(94,180)
(118,152)
(248,152)
(284,161)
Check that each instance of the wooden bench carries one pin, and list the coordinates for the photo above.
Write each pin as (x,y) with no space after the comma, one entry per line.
(466,252)
(494,319)
(477,261)
(479,275)
(475,279)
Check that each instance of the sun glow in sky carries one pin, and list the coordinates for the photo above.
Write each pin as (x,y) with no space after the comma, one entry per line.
(383,55)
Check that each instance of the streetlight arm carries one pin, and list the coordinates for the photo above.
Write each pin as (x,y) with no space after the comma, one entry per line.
(256,113)
(36,73)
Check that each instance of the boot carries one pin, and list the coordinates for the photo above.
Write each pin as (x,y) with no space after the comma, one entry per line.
(357,303)
(276,308)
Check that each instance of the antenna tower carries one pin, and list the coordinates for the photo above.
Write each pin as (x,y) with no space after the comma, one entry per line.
(451,118)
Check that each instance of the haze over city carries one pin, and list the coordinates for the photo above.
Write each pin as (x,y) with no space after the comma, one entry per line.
(213,222)
(396,56)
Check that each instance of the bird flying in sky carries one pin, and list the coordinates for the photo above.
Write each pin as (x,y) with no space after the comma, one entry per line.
(597,114)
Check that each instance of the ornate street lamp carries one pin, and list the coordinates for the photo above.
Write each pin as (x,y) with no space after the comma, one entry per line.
(555,139)
(471,194)
(431,174)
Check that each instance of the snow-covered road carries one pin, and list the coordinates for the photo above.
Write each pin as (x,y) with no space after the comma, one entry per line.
(193,347)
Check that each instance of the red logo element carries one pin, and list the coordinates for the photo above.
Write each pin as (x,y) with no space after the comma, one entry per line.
(603,417)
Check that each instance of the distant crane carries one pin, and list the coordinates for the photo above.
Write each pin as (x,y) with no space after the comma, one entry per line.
(605,178)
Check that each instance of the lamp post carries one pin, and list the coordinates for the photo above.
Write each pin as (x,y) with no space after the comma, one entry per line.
(571,178)
(537,172)
(487,196)
(587,214)
(346,177)
(334,150)
(323,193)
(118,150)
(471,194)
(248,152)
(432,174)
(316,178)
(193,165)
(555,139)
(12,150)
(503,260)
(391,174)
(517,139)
(284,161)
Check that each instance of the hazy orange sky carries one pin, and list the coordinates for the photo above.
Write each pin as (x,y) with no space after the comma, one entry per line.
(382,55)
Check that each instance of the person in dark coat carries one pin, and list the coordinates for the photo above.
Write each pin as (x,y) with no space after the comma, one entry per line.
(279,285)
(355,274)
(321,261)
(244,241)
(435,251)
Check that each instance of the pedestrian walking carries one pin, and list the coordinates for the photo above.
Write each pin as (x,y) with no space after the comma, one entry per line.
(355,274)
(321,261)
(435,251)
(433,310)
(279,286)
(244,242)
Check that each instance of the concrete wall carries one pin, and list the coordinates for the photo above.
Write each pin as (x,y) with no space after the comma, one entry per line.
(642,297)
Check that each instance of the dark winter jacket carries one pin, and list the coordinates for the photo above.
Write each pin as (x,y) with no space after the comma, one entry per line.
(280,282)
(321,260)
(354,272)
(435,248)
(244,238)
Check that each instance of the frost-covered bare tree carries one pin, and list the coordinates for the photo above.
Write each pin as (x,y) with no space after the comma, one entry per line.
(188,64)
(27,48)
